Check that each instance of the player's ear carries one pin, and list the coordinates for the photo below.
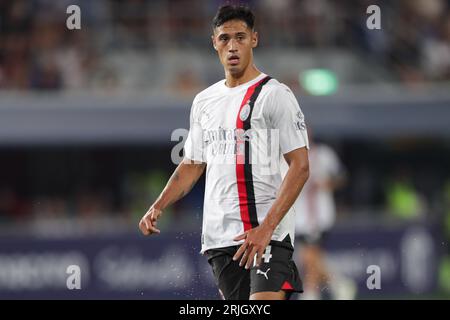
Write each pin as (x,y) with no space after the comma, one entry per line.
(254,39)
(213,39)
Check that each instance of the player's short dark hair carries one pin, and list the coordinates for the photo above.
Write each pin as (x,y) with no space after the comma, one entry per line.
(234,12)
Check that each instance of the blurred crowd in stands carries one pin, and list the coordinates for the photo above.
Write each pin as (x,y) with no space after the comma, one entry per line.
(38,52)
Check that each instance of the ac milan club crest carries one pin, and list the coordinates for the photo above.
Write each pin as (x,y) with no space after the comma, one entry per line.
(245,112)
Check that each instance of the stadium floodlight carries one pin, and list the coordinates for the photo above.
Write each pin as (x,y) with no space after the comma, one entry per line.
(319,82)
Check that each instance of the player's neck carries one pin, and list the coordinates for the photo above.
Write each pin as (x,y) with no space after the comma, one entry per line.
(249,74)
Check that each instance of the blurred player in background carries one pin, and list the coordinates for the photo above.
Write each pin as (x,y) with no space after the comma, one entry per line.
(315,216)
(248,225)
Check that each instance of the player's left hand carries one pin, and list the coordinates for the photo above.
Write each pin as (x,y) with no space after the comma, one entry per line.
(256,241)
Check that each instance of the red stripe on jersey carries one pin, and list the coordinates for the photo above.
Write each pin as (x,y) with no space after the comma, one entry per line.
(240,162)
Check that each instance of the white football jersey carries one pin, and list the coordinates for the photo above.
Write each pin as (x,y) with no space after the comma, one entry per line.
(240,133)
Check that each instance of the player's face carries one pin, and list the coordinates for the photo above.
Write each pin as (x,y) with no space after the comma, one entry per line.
(234,42)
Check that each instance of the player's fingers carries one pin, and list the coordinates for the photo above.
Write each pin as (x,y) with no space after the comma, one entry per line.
(241,237)
(150,227)
(152,230)
(143,228)
(240,251)
(251,258)
(244,257)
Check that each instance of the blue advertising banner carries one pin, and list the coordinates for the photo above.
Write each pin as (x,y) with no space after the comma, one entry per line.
(169,266)
(125,267)
(404,257)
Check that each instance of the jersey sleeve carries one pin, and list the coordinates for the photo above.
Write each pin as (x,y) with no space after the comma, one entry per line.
(286,116)
(194,146)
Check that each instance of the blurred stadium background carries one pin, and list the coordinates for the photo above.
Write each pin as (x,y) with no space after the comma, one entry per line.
(86,118)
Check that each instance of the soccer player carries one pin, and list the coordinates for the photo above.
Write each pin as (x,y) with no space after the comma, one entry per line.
(248,226)
(315,216)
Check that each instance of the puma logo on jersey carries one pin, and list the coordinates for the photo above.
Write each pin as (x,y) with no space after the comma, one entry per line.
(263,273)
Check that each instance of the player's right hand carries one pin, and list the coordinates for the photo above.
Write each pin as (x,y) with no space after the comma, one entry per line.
(148,223)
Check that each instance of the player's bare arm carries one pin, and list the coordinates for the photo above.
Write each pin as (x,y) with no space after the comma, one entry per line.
(180,183)
(257,239)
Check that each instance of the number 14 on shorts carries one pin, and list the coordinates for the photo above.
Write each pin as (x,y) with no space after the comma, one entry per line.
(266,256)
